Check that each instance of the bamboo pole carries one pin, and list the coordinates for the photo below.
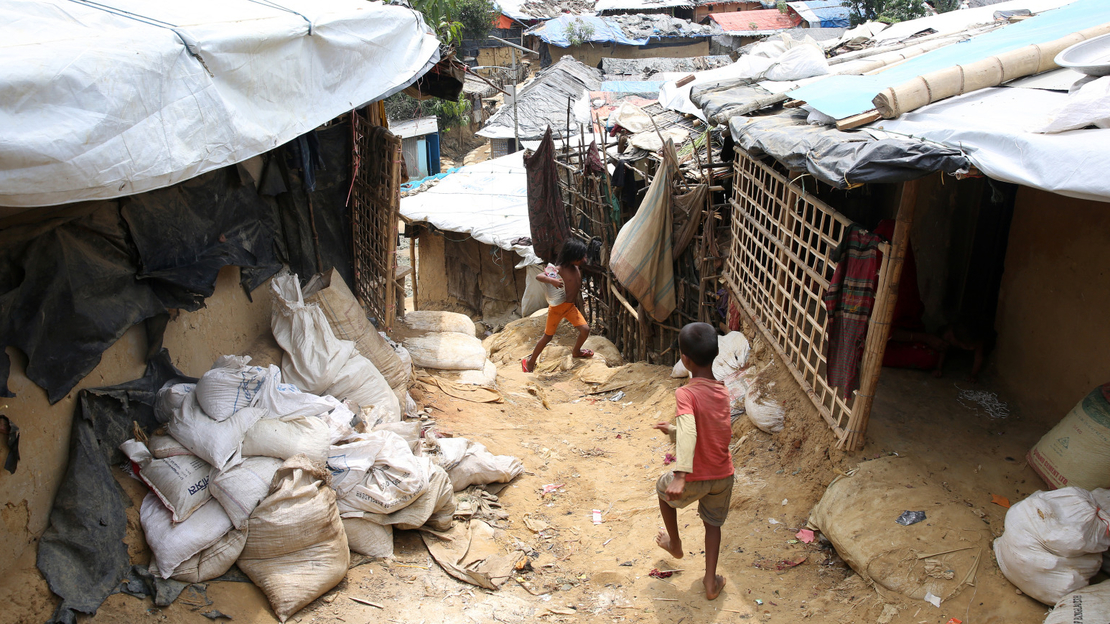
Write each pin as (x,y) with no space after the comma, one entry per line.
(878,329)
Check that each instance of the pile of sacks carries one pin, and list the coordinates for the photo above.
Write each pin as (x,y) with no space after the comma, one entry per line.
(750,390)
(445,343)
(285,471)
(1054,543)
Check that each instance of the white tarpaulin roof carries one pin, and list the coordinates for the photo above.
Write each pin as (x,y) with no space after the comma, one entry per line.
(994,127)
(123,96)
(486,200)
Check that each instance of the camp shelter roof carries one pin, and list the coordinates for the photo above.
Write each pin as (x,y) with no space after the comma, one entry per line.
(761,22)
(529,10)
(543,102)
(636,67)
(115,98)
(822,13)
(631,30)
(487,201)
(639,5)
(843,96)
(414,127)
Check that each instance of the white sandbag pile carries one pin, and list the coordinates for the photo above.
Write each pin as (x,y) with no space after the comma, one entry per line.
(469,463)
(445,341)
(1090,605)
(1054,541)
(315,360)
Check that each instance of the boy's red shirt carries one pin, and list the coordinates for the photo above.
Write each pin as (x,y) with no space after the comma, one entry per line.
(707,400)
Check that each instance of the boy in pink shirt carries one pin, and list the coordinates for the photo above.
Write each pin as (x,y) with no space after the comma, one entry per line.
(703,469)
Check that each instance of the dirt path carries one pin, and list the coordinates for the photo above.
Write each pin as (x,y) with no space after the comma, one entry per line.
(602,454)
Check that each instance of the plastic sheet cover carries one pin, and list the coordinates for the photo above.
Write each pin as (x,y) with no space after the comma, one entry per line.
(486,200)
(840,158)
(558,31)
(110,99)
(844,96)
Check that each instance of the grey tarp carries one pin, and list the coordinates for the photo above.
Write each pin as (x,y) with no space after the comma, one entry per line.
(843,159)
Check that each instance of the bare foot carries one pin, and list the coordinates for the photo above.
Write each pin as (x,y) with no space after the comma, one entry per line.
(664,542)
(711,593)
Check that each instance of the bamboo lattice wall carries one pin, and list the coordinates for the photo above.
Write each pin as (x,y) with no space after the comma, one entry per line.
(779,268)
(375,205)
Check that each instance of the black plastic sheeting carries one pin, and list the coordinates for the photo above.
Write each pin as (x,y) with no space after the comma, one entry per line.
(842,159)
(82,554)
(73,284)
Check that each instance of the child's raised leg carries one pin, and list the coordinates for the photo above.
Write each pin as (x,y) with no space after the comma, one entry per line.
(530,363)
(712,581)
(583,334)
(668,538)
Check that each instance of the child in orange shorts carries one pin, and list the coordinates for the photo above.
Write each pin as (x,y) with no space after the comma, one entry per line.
(562,291)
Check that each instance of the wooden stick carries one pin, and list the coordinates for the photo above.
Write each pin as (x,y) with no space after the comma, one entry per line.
(878,329)
(366,602)
(666,599)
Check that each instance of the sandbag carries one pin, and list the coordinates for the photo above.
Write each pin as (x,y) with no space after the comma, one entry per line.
(348,321)
(340,422)
(229,386)
(240,488)
(447,351)
(170,399)
(641,255)
(858,515)
(215,442)
(435,321)
(173,543)
(437,501)
(180,482)
(478,467)
(313,355)
(409,432)
(738,384)
(1090,605)
(447,452)
(486,376)
(296,547)
(163,446)
(732,354)
(761,406)
(1053,542)
(1076,452)
(376,472)
(533,298)
(799,62)
(285,437)
(369,538)
(285,399)
(360,383)
(209,563)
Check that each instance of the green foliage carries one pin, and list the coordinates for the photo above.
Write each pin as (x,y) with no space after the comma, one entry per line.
(890,11)
(781,6)
(400,107)
(579,32)
(442,16)
(944,6)
(476,17)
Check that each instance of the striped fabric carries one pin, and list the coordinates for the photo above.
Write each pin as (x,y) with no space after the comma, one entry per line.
(849,301)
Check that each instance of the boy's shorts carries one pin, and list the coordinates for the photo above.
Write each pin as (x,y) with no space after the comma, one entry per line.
(562,311)
(713,497)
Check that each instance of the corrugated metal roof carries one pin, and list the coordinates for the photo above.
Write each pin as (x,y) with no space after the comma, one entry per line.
(755,22)
(822,13)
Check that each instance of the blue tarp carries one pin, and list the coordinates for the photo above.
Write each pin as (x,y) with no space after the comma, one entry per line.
(408,186)
(844,96)
(597,30)
(632,86)
(822,13)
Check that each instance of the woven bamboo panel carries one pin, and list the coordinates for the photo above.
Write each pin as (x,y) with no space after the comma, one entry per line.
(375,204)
(779,268)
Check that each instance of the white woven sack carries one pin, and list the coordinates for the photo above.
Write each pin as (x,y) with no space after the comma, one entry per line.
(447,452)
(313,355)
(369,538)
(447,351)
(163,446)
(296,546)
(240,488)
(169,400)
(216,442)
(174,543)
(209,563)
(1090,605)
(435,321)
(288,436)
(229,386)
(479,467)
(732,354)
(487,376)
(360,383)
(284,399)
(376,472)
(763,408)
(1053,543)
(180,482)
(437,502)
(409,431)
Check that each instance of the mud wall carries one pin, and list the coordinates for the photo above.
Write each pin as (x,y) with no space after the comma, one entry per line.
(1053,334)
(227,324)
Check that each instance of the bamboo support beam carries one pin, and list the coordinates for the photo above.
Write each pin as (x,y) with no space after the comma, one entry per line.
(878,329)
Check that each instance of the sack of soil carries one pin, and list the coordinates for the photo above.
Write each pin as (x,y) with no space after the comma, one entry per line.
(209,563)
(761,406)
(216,442)
(180,482)
(1090,605)
(285,437)
(240,488)
(229,386)
(1054,541)
(369,538)
(941,554)
(173,543)
(447,351)
(360,383)
(313,355)
(475,465)
(170,399)
(296,547)
(435,321)
(434,508)
(376,472)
